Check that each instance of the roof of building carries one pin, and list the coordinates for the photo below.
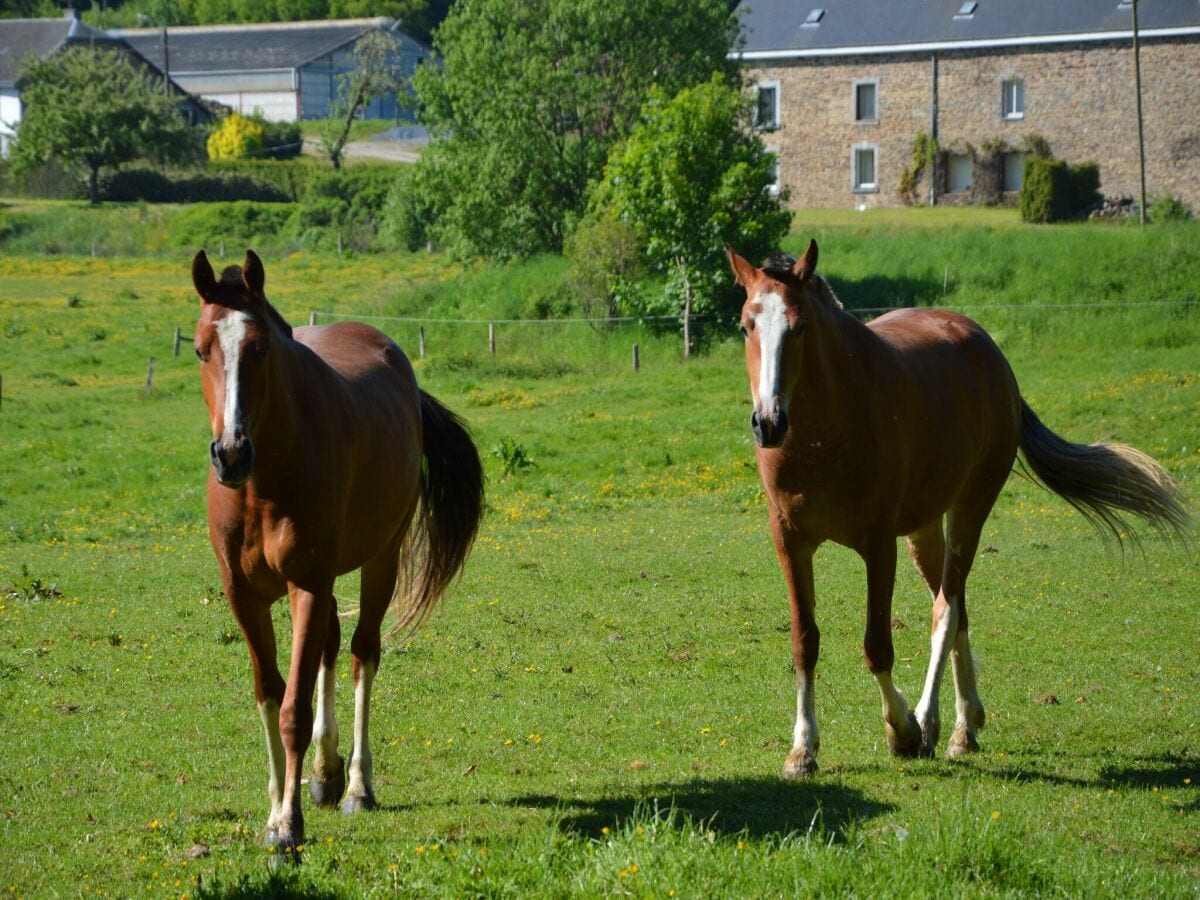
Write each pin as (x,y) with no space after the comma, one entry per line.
(787,28)
(198,49)
(22,38)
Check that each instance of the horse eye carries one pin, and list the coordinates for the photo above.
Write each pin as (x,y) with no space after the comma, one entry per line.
(199,355)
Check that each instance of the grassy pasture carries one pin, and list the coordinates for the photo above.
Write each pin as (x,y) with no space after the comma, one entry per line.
(604,703)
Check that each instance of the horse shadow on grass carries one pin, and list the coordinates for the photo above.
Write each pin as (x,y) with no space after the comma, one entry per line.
(756,807)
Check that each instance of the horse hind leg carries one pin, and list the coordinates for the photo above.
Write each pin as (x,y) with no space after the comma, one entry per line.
(378,585)
(949,632)
(328,780)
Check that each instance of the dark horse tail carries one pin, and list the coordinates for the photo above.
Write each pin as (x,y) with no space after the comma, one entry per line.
(448,518)
(1103,481)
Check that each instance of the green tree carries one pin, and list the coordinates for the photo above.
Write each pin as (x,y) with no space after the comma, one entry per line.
(533,93)
(90,107)
(376,73)
(692,177)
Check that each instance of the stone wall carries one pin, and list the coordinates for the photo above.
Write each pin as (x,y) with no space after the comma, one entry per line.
(1079,97)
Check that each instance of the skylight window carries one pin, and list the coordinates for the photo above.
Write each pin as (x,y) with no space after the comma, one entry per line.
(967,10)
(814,18)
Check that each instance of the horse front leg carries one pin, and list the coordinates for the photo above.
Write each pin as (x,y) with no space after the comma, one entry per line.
(903,733)
(328,780)
(795,558)
(253,615)
(310,622)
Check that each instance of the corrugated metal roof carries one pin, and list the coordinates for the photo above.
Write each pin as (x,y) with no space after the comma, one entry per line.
(248,48)
(777,27)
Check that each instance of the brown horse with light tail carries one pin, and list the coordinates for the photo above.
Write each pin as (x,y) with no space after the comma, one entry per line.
(869,432)
(326,457)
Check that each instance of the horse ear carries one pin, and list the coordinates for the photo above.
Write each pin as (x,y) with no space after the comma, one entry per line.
(203,278)
(253,275)
(743,272)
(807,264)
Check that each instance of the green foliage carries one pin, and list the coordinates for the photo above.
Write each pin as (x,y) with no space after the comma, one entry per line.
(244,222)
(93,108)
(410,212)
(924,154)
(691,178)
(290,177)
(512,455)
(345,203)
(1166,207)
(608,265)
(531,96)
(1053,191)
(156,186)
(236,137)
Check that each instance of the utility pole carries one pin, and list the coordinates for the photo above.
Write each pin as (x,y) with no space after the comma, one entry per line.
(1137,82)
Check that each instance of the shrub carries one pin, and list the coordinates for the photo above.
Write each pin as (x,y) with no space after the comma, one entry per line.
(346,203)
(410,212)
(1054,191)
(153,186)
(291,177)
(235,137)
(206,224)
(1166,208)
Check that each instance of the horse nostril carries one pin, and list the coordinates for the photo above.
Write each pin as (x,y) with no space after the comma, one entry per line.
(754,421)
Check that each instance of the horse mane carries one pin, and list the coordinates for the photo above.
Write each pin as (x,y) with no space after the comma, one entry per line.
(779,266)
(231,276)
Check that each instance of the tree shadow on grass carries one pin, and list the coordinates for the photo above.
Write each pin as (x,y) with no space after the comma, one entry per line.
(758,807)
(875,294)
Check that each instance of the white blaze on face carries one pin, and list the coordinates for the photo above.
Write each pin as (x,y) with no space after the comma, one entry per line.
(231,331)
(771,325)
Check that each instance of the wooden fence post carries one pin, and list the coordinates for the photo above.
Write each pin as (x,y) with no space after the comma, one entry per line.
(492,338)
(150,377)
(636,362)
(421,342)
(312,317)
(176,342)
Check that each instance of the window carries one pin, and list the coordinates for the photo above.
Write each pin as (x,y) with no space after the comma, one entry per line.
(814,18)
(766,113)
(773,156)
(863,164)
(1013,99)
(866,107)
(1014,171)
(959,174)
(967,10)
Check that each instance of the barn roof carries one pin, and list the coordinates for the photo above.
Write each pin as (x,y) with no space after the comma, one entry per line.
(22,38)
(197,49)
(787,28)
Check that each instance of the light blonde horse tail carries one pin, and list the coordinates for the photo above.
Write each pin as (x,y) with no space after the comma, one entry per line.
(1105,482)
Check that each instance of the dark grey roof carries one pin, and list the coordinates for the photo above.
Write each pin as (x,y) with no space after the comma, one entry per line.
(248,48)
(776,27)
(22,38)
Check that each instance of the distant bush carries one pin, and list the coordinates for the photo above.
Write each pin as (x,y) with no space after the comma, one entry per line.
(153,186)
(207,224)
(1166,208)
(292,177)
(347,203)
(237,136)
(1053,191)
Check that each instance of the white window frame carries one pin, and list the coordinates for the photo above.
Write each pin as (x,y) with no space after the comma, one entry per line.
(857,184)
(772,125)
(861,83)
(1016,88)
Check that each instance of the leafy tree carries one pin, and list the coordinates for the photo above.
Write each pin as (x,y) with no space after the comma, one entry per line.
(90,107)
(692,177)
(376,73)
(533,93)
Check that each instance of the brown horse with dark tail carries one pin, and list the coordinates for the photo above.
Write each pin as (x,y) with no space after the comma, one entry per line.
(326,457)
(907,426)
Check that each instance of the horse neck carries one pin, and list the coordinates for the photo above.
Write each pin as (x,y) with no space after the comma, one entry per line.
(835,354)
(279,406)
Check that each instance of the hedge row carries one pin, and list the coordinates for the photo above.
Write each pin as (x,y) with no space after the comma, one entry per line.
(1054,191)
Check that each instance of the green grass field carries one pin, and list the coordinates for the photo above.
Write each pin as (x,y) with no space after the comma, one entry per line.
(603,704)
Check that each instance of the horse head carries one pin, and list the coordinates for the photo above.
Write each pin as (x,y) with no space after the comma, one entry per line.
(773,321)
(232,340)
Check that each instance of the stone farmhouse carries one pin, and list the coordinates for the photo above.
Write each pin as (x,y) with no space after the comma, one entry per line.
(846,86)
(286,71)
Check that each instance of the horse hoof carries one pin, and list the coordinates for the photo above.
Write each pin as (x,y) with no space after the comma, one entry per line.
(906,743)
(800,765)
(961,743)
(327,792)
(284,851)
(929,739)
(358,803)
